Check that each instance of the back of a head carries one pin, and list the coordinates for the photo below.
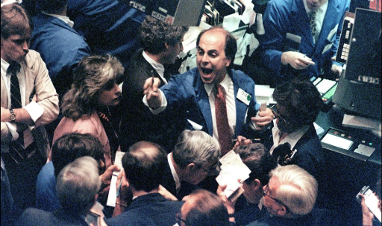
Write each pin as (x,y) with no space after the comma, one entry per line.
(14,21)
(258,159)
(206,208)
(72,146)
(77,185)
(144,163)
(297,188)
(153,35)
(196,147)
(302,100)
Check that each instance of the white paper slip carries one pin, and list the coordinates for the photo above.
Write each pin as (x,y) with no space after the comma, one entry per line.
(112,197)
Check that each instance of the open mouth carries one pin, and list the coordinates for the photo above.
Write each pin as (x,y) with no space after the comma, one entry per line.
(207,71)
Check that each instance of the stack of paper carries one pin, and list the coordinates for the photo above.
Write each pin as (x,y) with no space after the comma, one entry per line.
(233,173)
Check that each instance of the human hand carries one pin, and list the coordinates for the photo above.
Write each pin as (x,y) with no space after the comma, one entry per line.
(336,69)
(367,215)
(106,178)
(242,141)
(151,90)
(163,191)
(263,119)
(124,194)
(230,205)
(297,60)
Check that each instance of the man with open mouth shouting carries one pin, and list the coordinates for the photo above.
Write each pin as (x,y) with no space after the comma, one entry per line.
(212,97)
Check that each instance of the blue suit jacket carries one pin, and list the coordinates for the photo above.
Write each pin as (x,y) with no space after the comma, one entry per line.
(290,16)
(149,210)
(187,96)
(109,26)
(60,46)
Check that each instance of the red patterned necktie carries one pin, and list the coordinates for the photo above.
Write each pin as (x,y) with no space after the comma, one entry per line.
(224,131)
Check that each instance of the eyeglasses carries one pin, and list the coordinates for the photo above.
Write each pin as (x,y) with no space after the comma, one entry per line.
(266,193)
(213,170)
(278,115)
(178,218)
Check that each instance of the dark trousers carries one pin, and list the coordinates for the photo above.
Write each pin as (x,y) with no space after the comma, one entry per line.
(22,179)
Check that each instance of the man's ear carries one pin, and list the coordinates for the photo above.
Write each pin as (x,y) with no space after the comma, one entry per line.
(256,184)
(190,167)
(282,211)
(228,62)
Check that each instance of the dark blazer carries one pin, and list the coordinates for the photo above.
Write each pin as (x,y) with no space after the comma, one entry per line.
(138,123)
(149,210)
(36,217)
(168,182)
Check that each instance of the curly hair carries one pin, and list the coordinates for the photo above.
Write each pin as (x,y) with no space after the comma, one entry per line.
(93,75)
(154,34)
(301,99)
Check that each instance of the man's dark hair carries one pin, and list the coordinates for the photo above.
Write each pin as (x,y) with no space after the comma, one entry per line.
(72,146)
(230,48)
(301,100)
(208,209)
(153,34)
(52,6)
(258,159)
(144,163)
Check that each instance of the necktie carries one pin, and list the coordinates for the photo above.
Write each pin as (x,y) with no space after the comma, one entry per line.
(312,22)
(13,69)
(16,147)
(224,131)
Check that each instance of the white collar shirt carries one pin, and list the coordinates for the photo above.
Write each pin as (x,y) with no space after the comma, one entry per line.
(157,66)
(291,138)
(227,84)
(320,16)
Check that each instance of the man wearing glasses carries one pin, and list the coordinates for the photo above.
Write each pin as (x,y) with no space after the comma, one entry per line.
(294,138)
(290,197)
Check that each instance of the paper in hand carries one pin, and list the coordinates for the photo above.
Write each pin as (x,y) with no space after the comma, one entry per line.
(232,171)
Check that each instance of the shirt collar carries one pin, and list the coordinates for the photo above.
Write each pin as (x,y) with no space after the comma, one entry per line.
(157,66)
(4,67)
(61,17)
(224,83)
(291,138)
(173,172)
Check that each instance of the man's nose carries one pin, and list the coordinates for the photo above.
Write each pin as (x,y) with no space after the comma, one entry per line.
(25,46)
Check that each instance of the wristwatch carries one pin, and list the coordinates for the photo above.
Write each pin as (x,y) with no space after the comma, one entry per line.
(12,117)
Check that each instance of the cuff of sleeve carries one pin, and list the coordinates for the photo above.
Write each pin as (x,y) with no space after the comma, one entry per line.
(161,108)
(34,110)
(13,128)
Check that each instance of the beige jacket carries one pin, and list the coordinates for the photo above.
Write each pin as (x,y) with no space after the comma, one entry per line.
(37,81)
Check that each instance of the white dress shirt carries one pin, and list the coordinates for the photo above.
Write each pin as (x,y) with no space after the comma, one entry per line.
(227,84)
(291,138)
(320,15)
(157,66)
(34,109)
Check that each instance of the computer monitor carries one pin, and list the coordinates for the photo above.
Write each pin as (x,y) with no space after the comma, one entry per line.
(359,88)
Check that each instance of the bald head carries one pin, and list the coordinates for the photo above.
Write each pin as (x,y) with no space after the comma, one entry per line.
(143,165)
